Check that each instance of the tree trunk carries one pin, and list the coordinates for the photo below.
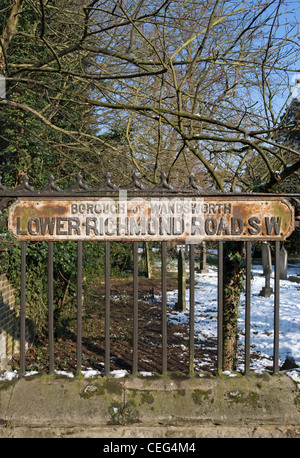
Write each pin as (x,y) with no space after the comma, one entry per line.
(9,30)
(234,265)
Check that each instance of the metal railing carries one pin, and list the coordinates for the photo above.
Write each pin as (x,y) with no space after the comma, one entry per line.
(164,355)
(25,190)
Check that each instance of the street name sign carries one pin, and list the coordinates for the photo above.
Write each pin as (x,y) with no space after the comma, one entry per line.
(190,219)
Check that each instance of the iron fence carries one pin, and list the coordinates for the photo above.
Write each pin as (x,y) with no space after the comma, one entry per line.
(135,188)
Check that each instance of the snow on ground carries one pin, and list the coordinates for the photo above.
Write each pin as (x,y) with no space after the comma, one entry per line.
(262,315)
(262,324)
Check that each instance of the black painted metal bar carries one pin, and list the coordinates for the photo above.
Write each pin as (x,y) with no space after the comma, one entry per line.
(108,188)
(50,307)
(192,311)
(23,310)
(164,304)
(79,307)
(276,309)
(248,307)
(107,308)
(135,307)
(220,307)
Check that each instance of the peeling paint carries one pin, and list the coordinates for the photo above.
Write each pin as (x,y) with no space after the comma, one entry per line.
(191,219)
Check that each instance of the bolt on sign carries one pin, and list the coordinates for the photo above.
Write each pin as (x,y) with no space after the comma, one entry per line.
(190,219)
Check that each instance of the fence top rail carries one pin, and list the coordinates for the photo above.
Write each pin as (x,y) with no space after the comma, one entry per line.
(242,215)
(135,187)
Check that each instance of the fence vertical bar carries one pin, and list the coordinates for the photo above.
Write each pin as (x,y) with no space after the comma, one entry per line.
(107,308)
(164,304)
(135,308)
(50,307)
(247,307)
(220,307)
(192,310)
(79,307)
(276,308)
(23,310)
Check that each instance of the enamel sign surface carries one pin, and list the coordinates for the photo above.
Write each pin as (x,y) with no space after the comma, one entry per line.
(190,219)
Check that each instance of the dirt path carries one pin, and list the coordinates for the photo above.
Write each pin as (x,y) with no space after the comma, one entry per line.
(121,321)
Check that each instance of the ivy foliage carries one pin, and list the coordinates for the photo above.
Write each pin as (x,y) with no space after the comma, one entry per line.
(64,276)
(29,146)
(234,286)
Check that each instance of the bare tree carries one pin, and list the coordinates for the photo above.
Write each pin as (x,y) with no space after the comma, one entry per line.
(195,85)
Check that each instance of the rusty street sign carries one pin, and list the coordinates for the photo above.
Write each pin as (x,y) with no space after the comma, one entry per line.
(190,219)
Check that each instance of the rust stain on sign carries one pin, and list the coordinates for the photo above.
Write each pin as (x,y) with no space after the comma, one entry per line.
(191,219)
